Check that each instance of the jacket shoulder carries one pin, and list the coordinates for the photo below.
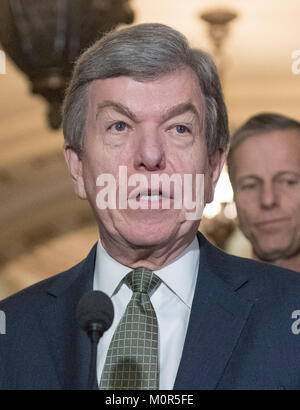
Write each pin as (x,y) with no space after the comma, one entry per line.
(261,278)
(54,285)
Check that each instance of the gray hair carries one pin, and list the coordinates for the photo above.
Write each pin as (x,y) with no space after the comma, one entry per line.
(143,52)
(258,124)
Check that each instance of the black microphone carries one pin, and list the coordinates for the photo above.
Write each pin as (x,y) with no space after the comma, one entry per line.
(95,313)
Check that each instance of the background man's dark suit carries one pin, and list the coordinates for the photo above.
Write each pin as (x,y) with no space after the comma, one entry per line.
(239,335)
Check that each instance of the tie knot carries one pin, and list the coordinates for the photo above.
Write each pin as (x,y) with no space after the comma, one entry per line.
(142,280)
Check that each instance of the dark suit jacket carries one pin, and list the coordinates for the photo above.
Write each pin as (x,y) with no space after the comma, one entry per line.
(239,335)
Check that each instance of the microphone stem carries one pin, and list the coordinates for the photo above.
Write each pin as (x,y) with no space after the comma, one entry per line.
(92,381)
(95,332)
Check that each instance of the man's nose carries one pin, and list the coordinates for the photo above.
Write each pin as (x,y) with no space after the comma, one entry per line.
(268,196)
(149,151)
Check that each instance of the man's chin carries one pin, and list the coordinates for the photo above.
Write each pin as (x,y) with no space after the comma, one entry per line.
(270,254)
(147,239)
(151,227)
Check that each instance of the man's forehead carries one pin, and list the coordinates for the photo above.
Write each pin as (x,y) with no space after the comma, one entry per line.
(268,154)
(179,92)
(274,142)
(186,75)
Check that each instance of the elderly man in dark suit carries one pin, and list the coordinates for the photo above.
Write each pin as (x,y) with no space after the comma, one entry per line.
(144,117)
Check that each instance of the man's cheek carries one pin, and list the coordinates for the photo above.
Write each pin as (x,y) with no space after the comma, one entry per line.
(242,218)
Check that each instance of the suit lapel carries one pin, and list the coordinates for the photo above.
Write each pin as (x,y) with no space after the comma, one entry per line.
(69,346)
(217,318)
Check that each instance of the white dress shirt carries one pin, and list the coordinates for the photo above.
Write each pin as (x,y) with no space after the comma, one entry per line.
(172,302)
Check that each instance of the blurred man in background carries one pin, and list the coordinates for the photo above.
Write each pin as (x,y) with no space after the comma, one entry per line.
(264,168)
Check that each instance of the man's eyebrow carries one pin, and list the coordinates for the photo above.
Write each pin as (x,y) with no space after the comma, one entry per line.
(117,107)
(249,176)
(290,172)
(277,175)
(171,112)
(180,109)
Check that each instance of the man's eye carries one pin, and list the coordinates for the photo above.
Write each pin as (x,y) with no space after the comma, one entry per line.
(181,129)
(289,182)
(248,186)
(119,126)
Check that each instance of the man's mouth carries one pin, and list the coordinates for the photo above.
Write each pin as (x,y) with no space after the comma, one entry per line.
(150,196)
(150,199)
(271,224)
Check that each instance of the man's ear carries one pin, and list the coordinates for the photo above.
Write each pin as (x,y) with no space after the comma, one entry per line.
(216,163)
(74,164)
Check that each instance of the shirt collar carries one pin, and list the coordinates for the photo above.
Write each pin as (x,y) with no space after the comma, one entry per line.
(180,276)
(108,272)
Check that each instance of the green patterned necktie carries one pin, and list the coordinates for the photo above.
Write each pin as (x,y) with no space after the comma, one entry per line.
(132,358)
